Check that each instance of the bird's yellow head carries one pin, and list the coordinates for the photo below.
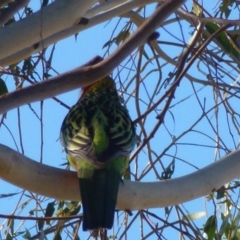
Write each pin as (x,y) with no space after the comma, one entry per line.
(100,85)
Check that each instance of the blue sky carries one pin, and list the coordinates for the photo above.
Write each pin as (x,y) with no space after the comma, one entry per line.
(73,52)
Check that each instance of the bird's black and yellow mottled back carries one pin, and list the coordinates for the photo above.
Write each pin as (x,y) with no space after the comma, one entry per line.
(98,137)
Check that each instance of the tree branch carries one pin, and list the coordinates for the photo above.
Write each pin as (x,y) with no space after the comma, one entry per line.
(12,8)
(83,76)
(94,17)
(62,184)
(51,19)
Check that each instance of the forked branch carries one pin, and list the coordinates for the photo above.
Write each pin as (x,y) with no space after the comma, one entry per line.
(86,75)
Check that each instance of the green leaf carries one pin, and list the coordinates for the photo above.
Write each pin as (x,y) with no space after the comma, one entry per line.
(108,44)
(196,9)
(225,224)
(27,66)
(3,87)
(227,230)
(11,225)
(225,7)
(154,36)
(145,55)
(236,220)
(8,195)
(26,235)
(138,140)
(169,170)
(74,207)
(28,11)
(210,227)
(50,210)
(220,192)
(40,224)
(8,237)
(57,236)
(121,37)
(194,216)
(44,3)
(238,233)
(223,40)
(47,75)
(167,211)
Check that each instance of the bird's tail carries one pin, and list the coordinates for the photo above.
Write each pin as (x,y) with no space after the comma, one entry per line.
(99,198)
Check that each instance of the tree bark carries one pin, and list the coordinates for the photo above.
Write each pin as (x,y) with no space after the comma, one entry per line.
(51,19)
(62,184)
(84,76)
(94,16)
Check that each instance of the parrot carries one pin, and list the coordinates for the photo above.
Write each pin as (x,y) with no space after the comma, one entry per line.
(98,136)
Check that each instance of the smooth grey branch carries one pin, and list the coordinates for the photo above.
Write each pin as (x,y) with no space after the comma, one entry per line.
(86,75)
(12,8)
(51,19)
(94,19)
(62,184)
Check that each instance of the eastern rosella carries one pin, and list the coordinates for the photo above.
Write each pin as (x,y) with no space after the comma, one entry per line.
(98,137)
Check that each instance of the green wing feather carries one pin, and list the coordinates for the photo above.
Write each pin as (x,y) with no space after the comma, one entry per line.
(98,136)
